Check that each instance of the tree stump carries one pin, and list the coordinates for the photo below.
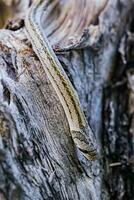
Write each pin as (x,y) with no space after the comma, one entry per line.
(38,159)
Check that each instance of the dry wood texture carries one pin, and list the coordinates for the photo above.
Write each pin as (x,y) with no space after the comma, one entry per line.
(38,159)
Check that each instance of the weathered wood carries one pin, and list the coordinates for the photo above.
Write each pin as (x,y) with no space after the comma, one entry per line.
(38,159)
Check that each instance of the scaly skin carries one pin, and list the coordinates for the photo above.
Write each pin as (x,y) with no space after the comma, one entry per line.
(59,80)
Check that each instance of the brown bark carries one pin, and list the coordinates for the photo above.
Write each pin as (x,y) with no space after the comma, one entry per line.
(38,159)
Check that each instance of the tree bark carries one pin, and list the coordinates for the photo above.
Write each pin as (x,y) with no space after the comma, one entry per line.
(38,159)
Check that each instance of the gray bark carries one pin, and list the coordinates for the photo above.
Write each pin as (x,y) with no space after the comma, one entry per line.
(38,159)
